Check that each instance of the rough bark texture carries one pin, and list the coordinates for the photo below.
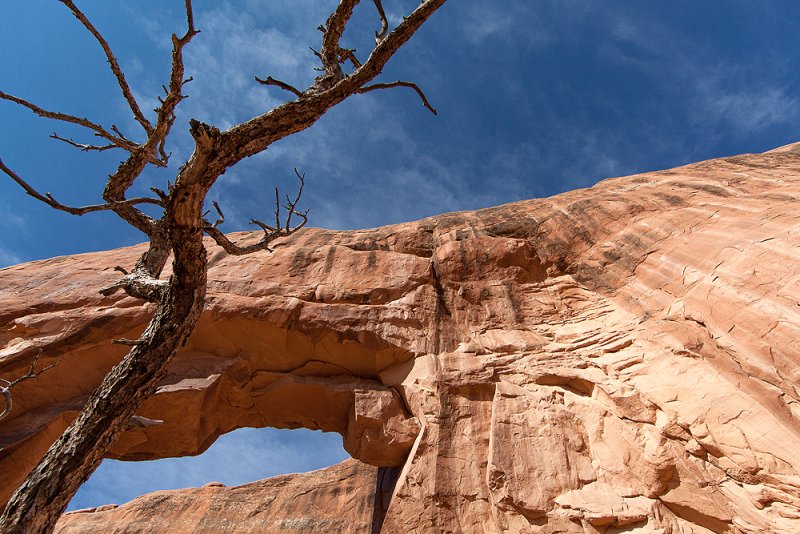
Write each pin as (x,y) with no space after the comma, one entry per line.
(47,491)
(622,358)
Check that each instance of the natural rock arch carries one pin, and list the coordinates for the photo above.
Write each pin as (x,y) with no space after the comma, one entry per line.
(614,358)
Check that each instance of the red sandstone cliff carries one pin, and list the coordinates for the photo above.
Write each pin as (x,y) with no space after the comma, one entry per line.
(620,358)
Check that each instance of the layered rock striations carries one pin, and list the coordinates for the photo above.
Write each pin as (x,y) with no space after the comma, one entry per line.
(619,358)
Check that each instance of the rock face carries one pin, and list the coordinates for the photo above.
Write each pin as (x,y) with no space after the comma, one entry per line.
(283,503)
(620,358)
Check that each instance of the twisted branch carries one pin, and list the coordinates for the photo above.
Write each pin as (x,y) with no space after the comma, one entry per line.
(48,199)
(121,181)
(415,87)
(277,83)
(114,65)
(117,140)
(380,35)
(334,29)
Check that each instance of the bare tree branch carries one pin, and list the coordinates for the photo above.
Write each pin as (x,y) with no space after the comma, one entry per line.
(255,135)
(384,50)
(174,95)
(219,213)
(114,65)
(291,205)
(189,19)
(334,29)
(178,234)
(48,199)
(379,35)
(83,147)
(349,54)
(415,87)
(32,373)
(139,285)
(117,140)
(271,233)
(118,183)
(277,83)
(166,112)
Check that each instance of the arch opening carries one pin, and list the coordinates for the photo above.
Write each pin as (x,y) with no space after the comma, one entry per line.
(239,457)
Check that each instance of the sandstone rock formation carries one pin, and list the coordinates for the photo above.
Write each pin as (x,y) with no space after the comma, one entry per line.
(620,358)
(283,503)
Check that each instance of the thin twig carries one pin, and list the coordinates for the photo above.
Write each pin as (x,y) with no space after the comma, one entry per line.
(219,212)
(120,141)
(48,199)
(292,205)
(381,35)
(32,373)
(114,65)
(277,83)
(120,134)
(277,209)
(83,147)
(415,87)
(270,232)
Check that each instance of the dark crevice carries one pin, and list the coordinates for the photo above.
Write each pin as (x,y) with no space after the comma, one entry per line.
(441,309)
(385,482)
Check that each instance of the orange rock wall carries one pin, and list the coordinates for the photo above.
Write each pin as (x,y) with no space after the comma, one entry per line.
(620,358)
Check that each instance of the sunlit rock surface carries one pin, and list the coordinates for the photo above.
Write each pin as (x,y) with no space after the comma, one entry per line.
(620,358)
(337,499)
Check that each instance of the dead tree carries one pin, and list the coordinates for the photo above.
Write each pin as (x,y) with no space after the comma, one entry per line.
(179,230)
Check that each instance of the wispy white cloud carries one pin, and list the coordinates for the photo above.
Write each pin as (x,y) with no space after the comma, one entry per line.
(741,97)
(479,22)
(8,257)
(224,62)
(12,223)
(746,109)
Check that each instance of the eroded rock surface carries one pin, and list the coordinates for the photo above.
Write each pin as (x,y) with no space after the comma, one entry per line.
(620,358)
(337,499)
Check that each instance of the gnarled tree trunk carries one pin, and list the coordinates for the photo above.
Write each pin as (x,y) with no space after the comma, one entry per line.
(42,498)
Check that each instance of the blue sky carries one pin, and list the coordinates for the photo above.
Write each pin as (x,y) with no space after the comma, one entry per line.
(534,98)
